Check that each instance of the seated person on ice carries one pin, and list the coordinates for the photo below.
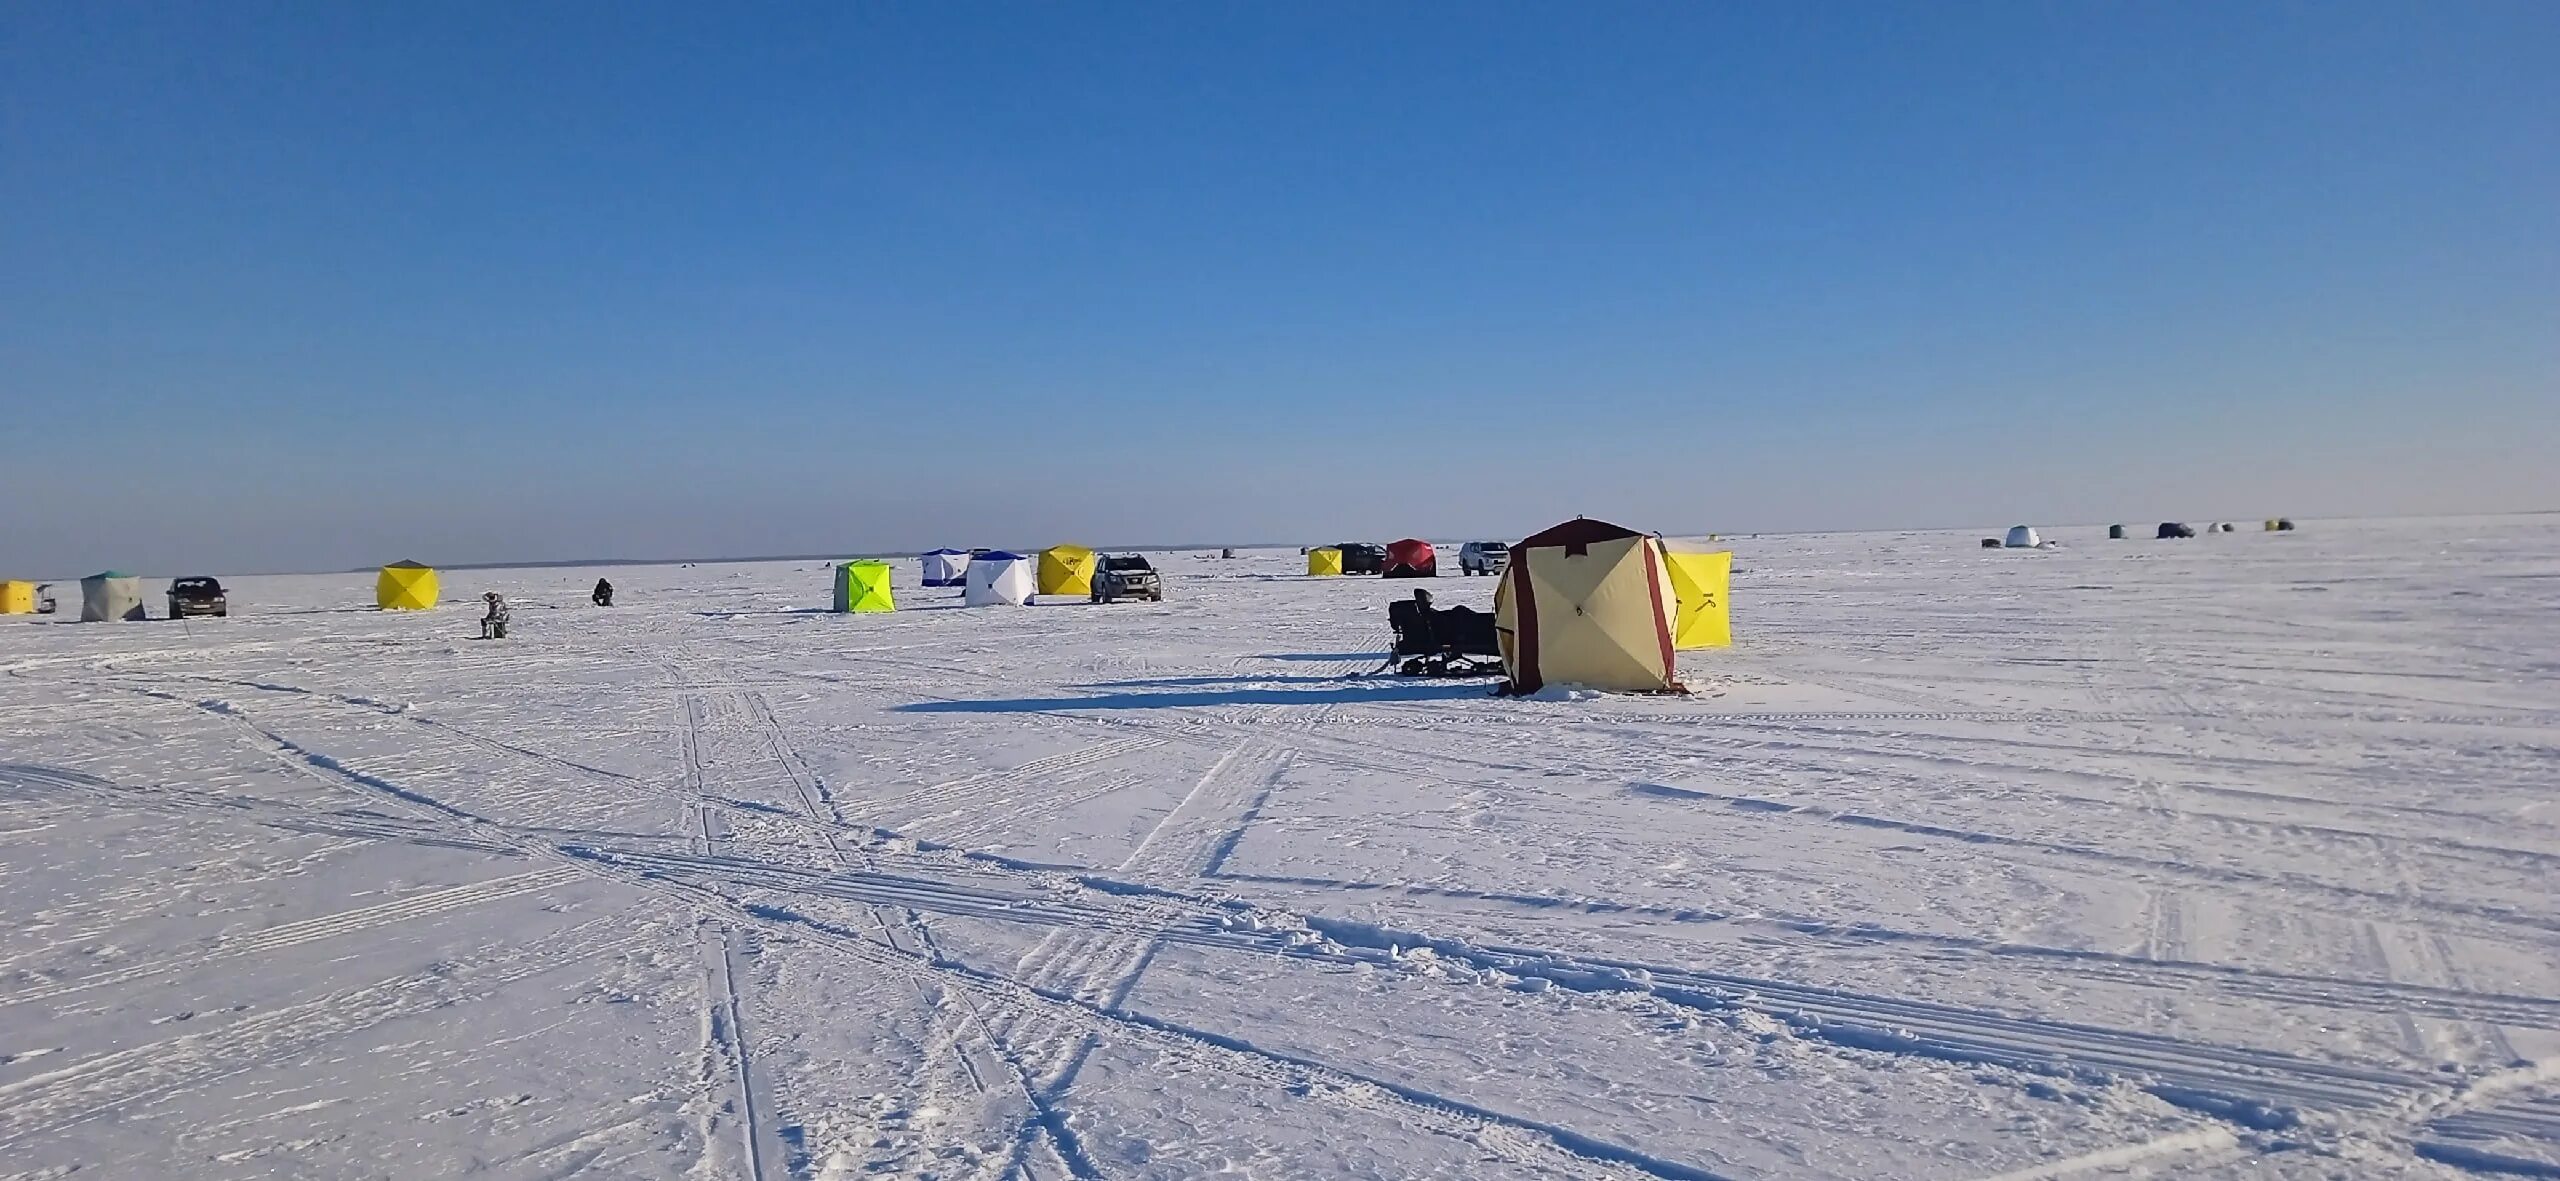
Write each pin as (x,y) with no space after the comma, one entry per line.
(493,626)
(1442,642)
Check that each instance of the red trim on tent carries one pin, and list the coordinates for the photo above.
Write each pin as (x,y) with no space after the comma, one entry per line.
(1662,619)
(1576,535)
(1524,605)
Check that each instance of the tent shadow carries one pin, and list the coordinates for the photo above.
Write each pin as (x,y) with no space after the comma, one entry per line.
(1322,657)
(770,611)
(1346,694)
(1188,682)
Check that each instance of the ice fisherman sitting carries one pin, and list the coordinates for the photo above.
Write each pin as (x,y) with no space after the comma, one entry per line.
(493,626)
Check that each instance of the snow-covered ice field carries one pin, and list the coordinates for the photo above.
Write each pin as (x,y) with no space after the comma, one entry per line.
(2230,857)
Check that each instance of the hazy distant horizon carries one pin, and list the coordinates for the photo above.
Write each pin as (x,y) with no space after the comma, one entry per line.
(2249,524)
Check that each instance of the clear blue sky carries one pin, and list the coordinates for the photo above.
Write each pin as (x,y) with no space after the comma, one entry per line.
(314,285)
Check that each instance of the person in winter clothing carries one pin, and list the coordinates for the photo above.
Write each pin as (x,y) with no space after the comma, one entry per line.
(493,626)
(604,593)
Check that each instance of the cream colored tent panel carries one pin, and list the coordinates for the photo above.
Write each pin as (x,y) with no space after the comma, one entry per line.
(1326,561)
(1704,583)
(17,598)
(1589,604)
(1066,570)
(405,586)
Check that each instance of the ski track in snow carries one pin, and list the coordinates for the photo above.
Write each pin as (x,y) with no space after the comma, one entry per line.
(2298,806)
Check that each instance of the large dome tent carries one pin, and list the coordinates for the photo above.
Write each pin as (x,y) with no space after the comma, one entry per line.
(1588,603)
(405,586)
(2022,537)
(1066,570)
(862,587)
(1410,558)
(998,579)
(111,595)
(946,567)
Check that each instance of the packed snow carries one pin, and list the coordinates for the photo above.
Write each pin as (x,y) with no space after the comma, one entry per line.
(2223,857)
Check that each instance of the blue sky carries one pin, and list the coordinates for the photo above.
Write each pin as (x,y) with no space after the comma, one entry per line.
(310,286)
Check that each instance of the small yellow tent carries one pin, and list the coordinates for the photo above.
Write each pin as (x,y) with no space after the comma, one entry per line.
(405,586)
(17,598)
(863,587)
(1704,583)
(1587,603)
(1324,561)
(1066,570)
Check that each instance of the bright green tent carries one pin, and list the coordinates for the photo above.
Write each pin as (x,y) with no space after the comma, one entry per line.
(863,587)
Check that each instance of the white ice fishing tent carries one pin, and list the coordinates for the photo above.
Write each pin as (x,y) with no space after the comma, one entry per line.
(2023,537)
(946,567)
(998,579)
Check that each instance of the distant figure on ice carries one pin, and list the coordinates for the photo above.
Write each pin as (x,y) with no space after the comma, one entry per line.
(604,593)
(493,626)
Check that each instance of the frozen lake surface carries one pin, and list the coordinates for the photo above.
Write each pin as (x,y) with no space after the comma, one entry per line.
(2230,857)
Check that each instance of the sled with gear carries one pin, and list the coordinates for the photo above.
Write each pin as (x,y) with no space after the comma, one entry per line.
(1442,641)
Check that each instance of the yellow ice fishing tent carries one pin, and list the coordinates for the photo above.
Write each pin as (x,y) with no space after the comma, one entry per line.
(1324,561)
(1704,583)
(1587,603)
(405,586)
(863,587)
(1066,570)
(17,598)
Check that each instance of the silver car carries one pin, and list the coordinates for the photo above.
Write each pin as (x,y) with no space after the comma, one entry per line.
(1483,557)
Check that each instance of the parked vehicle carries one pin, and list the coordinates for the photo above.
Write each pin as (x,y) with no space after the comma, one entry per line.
(1126,576)
(1362,557)
(1483,557)
(197,596)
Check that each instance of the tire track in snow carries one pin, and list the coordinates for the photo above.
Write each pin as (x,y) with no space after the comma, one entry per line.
(957,1032)
(1510,1138)
(728,1069)
(296,934)
(85,1090)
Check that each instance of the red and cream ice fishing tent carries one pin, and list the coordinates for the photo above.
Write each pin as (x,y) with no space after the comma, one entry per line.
(1410,558)
(1591,604)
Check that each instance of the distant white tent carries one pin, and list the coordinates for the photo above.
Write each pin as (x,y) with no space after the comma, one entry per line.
(2022,537)
(999,579)
(946,567)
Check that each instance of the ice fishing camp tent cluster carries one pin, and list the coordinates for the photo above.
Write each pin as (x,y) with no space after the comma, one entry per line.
(998,579)
(110,596)
(17,598)
(862,587)
(1324,561)
(1066,570)
(946,567)
(405,586)
(1590,604)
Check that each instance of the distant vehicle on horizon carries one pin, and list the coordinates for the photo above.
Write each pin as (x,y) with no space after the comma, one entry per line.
(198,595)
(1127,576)
(1483,557)
(1362,557)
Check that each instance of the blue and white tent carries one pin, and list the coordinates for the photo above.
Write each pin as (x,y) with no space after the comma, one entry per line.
(999,579)
(946,567)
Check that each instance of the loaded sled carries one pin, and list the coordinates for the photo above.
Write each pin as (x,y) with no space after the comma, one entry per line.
(1442,642)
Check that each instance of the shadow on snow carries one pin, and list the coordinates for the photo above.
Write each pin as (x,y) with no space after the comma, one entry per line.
(1347,694)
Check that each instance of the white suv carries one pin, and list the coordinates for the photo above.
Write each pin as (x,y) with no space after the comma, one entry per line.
(1483,557)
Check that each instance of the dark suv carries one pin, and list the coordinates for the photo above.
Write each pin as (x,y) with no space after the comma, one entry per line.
(1126,576)
(197,596)
(1363,557)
